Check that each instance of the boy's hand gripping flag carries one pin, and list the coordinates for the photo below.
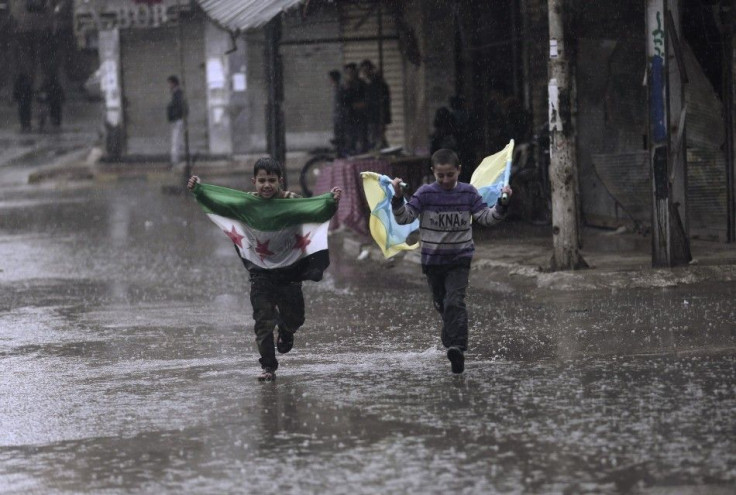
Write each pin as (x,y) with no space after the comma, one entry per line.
(388,234)
(273,233)
(493,174)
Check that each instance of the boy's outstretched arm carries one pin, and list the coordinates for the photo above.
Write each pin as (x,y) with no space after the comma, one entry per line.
(404,213)
(491,215)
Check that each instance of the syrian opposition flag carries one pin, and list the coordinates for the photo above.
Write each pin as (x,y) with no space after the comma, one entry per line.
(289,235)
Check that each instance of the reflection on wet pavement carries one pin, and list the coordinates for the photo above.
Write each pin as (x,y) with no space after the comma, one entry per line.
(127,364)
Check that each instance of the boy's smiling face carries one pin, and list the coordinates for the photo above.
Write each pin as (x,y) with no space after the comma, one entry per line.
(267,185)
(446,175)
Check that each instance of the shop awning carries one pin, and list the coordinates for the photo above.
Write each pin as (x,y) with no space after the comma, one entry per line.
(240,15)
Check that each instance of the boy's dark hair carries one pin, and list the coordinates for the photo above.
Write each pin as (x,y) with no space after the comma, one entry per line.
(351,66)
(334,75)
(444,156)
(268,164)
(173,80)
(366,64)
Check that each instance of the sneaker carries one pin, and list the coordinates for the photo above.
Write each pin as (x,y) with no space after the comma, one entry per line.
(267,375)
(285,342)
(457,358)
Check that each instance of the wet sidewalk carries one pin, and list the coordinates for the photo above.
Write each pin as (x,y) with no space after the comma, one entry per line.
(519,253)
(514,252)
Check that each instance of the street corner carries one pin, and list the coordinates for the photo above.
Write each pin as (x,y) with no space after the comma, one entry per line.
(73,172)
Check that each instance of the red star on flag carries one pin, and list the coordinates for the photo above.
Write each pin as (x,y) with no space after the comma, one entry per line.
(302,241)
(262,249)
(235,237)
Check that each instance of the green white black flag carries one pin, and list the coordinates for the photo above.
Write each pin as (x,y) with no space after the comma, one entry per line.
(288,235)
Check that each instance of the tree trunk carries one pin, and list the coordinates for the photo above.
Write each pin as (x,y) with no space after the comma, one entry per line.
(563,161)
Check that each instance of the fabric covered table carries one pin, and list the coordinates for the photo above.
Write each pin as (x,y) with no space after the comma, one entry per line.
(353,210)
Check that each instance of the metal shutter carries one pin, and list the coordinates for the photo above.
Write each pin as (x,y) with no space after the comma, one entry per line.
(307,104)
(148,57)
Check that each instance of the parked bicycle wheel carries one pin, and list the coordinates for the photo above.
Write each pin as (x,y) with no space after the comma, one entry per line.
(311,171)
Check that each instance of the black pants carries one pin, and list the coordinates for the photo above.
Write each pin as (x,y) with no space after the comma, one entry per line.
(24,114)
(449,284)
(275,303)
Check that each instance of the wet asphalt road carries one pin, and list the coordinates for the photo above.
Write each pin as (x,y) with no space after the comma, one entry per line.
(128,365)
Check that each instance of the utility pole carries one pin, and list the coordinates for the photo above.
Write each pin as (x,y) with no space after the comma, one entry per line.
(563,170)
(275,131)
(668,165)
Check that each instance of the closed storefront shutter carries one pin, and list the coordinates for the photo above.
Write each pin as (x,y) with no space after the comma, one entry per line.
(307,104)
(307,92)
(148,57)
(706,158)
(361,20)
(325,39)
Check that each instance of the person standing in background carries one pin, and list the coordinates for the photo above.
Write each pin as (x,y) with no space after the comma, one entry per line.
(176,112)
(23,96)
(377,106)
(54,99)
(338,113)
(353,90)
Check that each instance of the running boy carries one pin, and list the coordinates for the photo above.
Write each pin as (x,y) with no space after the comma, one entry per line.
(275,294)
(445,208)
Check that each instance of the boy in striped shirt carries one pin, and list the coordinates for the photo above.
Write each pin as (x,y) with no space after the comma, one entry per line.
(445,209)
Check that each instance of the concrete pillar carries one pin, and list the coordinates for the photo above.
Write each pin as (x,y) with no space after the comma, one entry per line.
(110,83)
(217,42)
(431,83)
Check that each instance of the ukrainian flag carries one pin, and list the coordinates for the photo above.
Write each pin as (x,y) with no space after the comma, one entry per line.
(389,235)
(493,174)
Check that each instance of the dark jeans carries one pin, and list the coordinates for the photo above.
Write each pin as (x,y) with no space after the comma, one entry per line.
(449,284)
(356,135)
(275,302)
(55,113)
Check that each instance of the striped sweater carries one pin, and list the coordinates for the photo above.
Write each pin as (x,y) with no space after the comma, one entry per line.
(444,216)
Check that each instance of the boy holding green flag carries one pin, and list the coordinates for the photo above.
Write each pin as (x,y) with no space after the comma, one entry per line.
(281,239)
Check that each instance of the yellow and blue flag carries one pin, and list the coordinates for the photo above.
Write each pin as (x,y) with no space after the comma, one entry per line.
(388,234)
(493,174)
(489,178)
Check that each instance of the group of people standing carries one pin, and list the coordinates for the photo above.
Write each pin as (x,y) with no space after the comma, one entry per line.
(361,108)
(49,97)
